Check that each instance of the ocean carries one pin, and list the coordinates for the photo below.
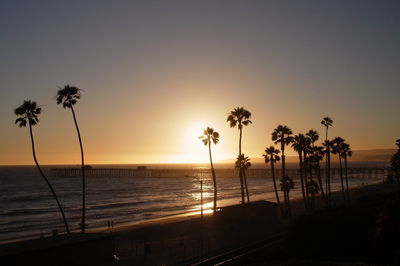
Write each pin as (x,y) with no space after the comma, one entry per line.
(27,208)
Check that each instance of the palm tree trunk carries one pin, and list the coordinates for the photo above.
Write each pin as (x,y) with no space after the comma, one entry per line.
(283,159)
(214,177)
(240,166)
(320,182)
(245,185)
(305,166)
(329,177)
(275,188)
(302,179)
(341,178)
(347,179)
(83,225)
(45,179)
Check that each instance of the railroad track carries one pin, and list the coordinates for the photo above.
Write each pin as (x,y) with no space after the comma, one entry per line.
(235,255)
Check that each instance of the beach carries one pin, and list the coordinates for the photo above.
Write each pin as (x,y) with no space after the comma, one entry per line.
(181,239)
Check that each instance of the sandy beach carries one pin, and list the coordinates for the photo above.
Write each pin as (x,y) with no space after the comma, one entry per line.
(168,241)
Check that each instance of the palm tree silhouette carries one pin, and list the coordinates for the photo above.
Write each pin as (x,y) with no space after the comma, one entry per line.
(337,149)
(346,152)
(395,164)
(68,96)
(271,156)
(327,151)
(245,164)
(28,114)
(240,117)
(313,136)
(287,184)
(327,122)
(282,135)
(318,154)
(298,144)
(209,135)
(312,189)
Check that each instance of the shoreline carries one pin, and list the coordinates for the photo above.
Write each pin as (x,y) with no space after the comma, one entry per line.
(269,196)
(177,238)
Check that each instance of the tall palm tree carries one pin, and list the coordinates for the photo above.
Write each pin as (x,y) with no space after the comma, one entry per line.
(327,151)
(209,135)
(327,122)
(239,117)
(282,135)
(318,152)
(271,156)
(244,163)
(28,114)
(287,184)
(337,149)
(68,97)
(298,144)
(346,152)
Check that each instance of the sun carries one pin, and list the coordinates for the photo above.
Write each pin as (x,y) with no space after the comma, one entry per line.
(193,148)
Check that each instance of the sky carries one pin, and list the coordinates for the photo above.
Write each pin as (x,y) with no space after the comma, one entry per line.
(154,73)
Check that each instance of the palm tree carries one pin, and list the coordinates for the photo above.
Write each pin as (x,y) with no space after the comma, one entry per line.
(240,117)
(244,163)
(337,149)
(28,114)
(298,144)
(68,96)
(287,184)
(327,151)
(346,152)
(271,156)
(318,152)
(312,189)
(327,122)
(313,136)
(395,164)
(209,135)
(282,135)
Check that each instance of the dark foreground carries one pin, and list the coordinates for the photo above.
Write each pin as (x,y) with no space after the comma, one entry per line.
(366,231)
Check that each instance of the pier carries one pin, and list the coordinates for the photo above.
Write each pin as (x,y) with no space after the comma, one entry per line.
(256,172)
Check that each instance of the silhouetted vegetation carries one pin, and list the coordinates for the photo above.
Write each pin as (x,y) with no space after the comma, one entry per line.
(243,162)
(287,184)
(28,114)
(240,117)
(271,156)
(327,122)
(337,149)
(68,97)
(209,135)
(395,164)
(299,144)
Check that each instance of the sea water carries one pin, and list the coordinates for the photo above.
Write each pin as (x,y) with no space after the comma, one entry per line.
(28,209)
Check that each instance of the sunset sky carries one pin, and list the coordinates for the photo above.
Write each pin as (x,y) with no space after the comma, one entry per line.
(154,73)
